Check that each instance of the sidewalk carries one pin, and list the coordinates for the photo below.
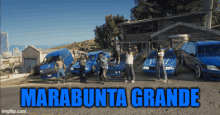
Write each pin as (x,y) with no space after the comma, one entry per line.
(13,76)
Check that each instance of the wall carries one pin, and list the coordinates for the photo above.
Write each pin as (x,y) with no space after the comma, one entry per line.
(196,19)
(195,34)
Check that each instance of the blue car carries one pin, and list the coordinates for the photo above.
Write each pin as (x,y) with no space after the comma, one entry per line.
(203,57)
(47,68)
(170,61)
(91,64)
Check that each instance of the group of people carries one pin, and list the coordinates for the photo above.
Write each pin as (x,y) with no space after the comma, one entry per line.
(103,63)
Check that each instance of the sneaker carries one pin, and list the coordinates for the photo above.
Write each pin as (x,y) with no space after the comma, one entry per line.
(158,80)
(105,83)
(101,82)
(58,82)
(132,81)
(126,81)
(118,62)
(165,81)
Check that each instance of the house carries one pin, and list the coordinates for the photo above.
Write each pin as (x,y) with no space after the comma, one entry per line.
(175,30)
(32,56)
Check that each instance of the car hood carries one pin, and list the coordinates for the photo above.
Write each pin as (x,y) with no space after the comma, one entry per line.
(210,60)
(88,63)
(116,66)
(152,62)
(47,66)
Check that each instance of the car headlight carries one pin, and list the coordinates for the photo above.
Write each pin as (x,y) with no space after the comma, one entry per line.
(98,71)
(116,72)
(119,72)
(169,68)
(41,71)
(212,67)
(146,68)
(86,68)
(71,69)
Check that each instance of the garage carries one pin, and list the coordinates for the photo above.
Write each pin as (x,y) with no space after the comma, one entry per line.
(29,64)
(31,57)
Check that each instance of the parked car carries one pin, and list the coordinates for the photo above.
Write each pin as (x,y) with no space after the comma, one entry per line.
(203,57)
(47,68)
(91,64)
(170,61)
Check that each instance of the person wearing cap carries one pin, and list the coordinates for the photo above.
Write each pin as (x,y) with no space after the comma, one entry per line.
(116,50)
(60,69)
(82,64)
(160,62)
(129,69)
(103,64)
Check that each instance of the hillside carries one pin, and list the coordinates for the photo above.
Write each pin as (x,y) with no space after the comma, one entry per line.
(87,45)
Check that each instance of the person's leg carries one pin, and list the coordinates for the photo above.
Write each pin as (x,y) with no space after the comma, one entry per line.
(63,75)
(80,74)
(164,71)
(118,54)
(127,71)
(84,74)
(158,70)
(104,74)
(132,73)
(101,75)
(58,73)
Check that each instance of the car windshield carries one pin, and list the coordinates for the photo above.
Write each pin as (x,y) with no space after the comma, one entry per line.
(168,54)
(209,49)
(92,57)
(51,59)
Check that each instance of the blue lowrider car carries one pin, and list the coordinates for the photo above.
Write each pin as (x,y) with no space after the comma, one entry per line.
(47,68)
(90,64)
(170,61)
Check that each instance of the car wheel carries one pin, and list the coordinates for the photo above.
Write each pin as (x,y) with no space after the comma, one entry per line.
(198,71)
(93,68)
(182,61)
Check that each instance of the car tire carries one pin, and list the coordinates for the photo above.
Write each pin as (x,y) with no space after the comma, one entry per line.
(182,61)
(198,71)
(93,68)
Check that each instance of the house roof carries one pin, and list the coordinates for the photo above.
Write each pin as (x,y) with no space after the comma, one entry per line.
(154,19)
(46,51)
(31,47)
(202,28)
(216,27)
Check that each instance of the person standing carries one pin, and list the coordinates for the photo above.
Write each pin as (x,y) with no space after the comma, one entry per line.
(60,69)
(160,62)
(129,68)
(82,64)
(75,57)
(103,64)
(116,50)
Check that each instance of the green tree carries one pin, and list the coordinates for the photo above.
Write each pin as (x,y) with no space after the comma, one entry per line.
(147,9)
(108,31)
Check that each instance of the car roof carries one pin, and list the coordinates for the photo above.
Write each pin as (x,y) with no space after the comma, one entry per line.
(206,42)
(57,52)
(94,53)
(171,49)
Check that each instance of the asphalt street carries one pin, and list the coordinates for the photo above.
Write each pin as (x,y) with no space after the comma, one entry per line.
(209,95)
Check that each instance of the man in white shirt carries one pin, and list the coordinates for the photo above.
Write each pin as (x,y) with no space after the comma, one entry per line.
(129,69)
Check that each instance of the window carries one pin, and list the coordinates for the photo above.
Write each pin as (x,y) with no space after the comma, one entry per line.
(179,30)
(144,45)
(192,49)
(129,31)
(135,30)
(188,48)
(184,46)
(209,49)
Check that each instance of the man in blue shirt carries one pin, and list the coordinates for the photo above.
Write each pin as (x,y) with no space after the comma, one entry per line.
(103,64)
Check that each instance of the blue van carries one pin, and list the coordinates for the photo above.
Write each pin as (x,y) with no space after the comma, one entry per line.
(47,68)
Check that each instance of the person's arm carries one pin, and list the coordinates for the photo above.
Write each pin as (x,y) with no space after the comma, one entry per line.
(152,47)
(168,47)
(64,66)
(136,51)
(55,66)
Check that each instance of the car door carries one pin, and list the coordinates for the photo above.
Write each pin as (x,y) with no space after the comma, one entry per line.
(192,56)
(186,54)
(183,50)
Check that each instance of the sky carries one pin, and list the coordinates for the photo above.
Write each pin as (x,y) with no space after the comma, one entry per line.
(54,22)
